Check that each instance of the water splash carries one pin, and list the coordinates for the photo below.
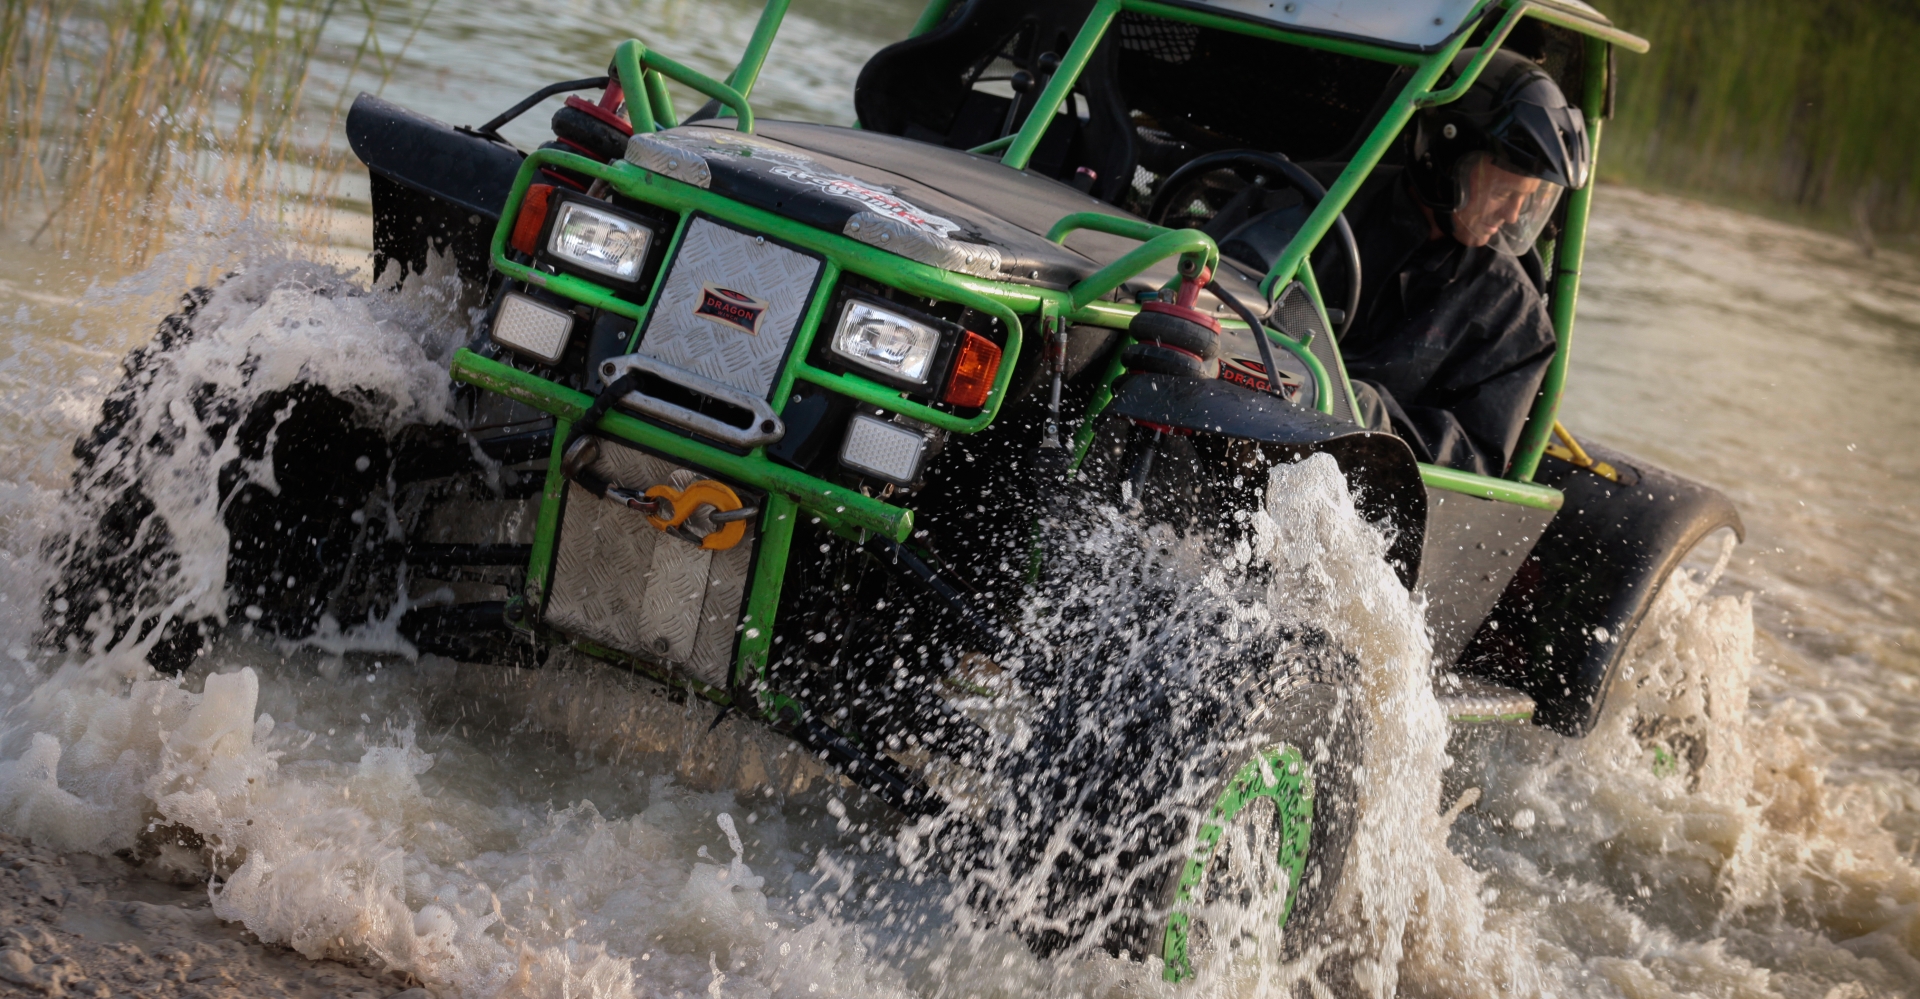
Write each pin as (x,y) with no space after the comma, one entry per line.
(561,832)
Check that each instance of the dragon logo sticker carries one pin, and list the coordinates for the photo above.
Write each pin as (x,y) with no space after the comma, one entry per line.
(730,308)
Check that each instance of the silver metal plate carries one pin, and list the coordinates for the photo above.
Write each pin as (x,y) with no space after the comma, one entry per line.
(1299,318)
(1473,699)
(622,583)
(713,258)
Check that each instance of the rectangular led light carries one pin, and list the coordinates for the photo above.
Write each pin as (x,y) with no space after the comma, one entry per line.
(599,241)
(886,450)
(533,328)
(900,349)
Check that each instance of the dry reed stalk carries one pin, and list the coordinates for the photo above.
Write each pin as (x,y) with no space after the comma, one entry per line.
(119,112)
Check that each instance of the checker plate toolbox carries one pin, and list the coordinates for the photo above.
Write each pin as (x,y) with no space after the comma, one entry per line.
(622,583)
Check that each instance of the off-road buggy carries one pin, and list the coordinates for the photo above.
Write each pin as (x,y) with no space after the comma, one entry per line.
(795,418)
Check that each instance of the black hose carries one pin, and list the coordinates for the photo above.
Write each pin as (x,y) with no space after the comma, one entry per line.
(924,574)
(1257,328)
(492,129)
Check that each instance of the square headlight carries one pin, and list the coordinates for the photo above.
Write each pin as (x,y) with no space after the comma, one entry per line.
(599,240)
(902,350)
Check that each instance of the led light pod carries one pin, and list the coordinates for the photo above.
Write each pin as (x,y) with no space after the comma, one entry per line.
(532,328)
(883,449)
(899,349)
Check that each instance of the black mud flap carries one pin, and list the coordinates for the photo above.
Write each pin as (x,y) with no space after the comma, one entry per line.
(1562,627)
(434,188)
(1242,433)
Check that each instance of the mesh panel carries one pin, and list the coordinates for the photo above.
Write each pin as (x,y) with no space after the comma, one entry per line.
(1167,41)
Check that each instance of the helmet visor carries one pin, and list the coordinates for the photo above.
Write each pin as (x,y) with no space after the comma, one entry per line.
(1500,208)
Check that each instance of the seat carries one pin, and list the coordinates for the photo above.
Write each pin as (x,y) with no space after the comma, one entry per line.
(924,88)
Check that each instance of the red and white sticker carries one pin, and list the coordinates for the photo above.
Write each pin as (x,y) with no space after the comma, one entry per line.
(876,201)
(731,308)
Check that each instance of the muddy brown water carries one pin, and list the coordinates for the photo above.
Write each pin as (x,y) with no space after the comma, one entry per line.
(561,832)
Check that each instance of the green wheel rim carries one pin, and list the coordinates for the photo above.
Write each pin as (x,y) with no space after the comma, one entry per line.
(1278,774)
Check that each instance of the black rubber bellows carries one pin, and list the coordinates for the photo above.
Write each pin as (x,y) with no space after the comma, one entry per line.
(600,139)
(1174,340)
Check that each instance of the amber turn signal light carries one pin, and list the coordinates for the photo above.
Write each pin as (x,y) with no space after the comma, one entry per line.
(533,216)
(973,372)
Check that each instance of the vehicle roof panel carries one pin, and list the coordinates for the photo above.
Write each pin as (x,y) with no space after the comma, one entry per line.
(1417,24)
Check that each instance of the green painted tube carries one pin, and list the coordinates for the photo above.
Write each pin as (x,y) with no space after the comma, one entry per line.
(1566,283)
(1348,183)
(660,100)
(1323,380)
(747,71)
(803,335)
(627,65)
(823,499)
(1479,61)
(540,563)
(1061,83)
(632,61)
(1169,243)
(1338,379)
(930,16)
(763,603)
(1592,29)
(1454,480)
(1112,225)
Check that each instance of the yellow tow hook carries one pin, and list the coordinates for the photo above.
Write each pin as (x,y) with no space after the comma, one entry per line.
(1572,453)
(679,504)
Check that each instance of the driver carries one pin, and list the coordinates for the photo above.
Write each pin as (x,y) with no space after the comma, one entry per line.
(1452,339)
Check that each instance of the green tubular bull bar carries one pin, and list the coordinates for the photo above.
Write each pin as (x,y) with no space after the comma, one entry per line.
(791,493)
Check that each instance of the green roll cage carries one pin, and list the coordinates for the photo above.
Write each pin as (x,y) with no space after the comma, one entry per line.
(850,513)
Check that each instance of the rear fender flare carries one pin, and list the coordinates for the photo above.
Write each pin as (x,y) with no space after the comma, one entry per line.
(1562,627)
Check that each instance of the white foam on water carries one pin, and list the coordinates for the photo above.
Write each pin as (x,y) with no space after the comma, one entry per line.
(568,832)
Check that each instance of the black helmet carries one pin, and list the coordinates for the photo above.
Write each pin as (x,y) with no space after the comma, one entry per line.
(1514,118)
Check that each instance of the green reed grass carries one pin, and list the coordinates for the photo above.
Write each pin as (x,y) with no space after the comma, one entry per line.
(1809,105)
(119,112)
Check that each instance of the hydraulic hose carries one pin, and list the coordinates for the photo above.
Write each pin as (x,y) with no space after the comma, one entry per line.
(1257,328)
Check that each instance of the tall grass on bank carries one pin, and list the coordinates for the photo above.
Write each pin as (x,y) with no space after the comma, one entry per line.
(1813,105)
(118,111)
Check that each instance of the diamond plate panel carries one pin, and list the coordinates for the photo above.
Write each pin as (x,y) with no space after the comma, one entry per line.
(621,583)
(712,255)
(1299,318)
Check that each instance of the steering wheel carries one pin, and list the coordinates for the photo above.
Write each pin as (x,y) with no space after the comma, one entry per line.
(1235,188)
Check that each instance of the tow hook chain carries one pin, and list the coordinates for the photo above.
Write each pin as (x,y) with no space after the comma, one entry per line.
(667,508)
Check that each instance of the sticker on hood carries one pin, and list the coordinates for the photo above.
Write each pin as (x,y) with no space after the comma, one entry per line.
(876,201)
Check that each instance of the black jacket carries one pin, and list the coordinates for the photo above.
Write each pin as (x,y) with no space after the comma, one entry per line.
(1450,343)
